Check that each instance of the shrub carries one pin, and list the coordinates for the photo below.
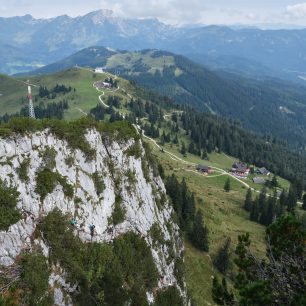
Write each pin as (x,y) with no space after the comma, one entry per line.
(156,234)
(145,170)
(46,181)
(34,279)
(69,161)
(131,177)
(134,150)
(66,248)
(170,296)
(48,157)
(9,214)
(98,182)
(119,212)
(179,271)
(22,171)
(107,274)
(73,131)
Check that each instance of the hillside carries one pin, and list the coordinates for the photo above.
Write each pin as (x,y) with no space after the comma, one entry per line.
(165,127)
(270,107)
(248,51)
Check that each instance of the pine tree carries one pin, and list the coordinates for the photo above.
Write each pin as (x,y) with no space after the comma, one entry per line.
(271,212)
(199,233)
(222,260)
(248,200)
(299,188)
(304,202)
(175,140)
(227,185)
(291,198)
(204,155)
(221,294)
(183,149)
(274,182)
(254,215)
(188,208)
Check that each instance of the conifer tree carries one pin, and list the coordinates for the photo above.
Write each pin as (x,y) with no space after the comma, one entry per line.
(271,212)
(220,293)
(291,198)
(248,200)
(199,233)
(227,185)
(204,155)
(279,279)
(299,187)
(254,215)
(304,202)
(183,148)
(222,259)
(274,182)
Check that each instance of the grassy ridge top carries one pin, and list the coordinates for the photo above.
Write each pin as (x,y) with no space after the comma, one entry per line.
(81,100)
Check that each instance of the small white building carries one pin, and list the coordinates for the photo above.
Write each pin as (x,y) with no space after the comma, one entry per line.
(99,70)
(107,85)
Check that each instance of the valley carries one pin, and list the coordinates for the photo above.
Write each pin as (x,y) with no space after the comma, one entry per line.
(224,214)
(152,153)
(257,104)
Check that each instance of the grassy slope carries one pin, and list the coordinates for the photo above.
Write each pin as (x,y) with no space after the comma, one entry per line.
(224,217)
(129,60)
(85,97)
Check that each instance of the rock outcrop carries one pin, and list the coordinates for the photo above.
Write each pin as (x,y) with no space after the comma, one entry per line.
(122,174)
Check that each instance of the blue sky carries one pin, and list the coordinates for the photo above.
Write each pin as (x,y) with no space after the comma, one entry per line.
(170,11)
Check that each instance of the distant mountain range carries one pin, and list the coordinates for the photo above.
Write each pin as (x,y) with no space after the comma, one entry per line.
(27,43)
(267,107)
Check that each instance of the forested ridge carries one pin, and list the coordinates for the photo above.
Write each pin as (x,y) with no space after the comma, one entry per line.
(210,132)
(272,107)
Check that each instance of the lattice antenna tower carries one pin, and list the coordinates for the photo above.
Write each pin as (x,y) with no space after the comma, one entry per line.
(31,107)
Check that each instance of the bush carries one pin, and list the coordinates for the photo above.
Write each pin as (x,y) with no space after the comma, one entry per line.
(9,214)
(22,171)
(170,296)
(157,234)
(98,182)
(73,131)
(48,158)
(66,248)
(35,278)
(108,274)
(46,181)
(134,150)
(119,212)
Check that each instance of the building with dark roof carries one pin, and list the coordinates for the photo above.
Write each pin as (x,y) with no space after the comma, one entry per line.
(240,169)
(204,169)
(262,171)
(259,180)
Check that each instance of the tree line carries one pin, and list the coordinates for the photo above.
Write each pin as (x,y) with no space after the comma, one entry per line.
(190,220)
(211,133)
(51,110)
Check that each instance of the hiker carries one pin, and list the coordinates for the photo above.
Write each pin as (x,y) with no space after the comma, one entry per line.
(92,229)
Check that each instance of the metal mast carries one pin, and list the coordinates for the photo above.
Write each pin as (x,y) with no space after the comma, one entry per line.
(31,107)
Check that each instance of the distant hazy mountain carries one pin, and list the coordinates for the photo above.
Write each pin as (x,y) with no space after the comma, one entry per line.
(268,107)
(250,51)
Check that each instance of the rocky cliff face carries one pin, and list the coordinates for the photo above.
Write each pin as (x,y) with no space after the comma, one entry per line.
(117,180)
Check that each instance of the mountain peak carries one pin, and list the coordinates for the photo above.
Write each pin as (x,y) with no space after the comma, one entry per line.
(100,15)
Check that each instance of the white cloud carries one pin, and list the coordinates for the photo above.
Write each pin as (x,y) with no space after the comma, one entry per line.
(173,11)
(297,10)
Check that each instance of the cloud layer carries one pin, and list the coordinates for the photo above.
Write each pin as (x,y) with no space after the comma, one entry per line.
(297,10)
(169,11)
